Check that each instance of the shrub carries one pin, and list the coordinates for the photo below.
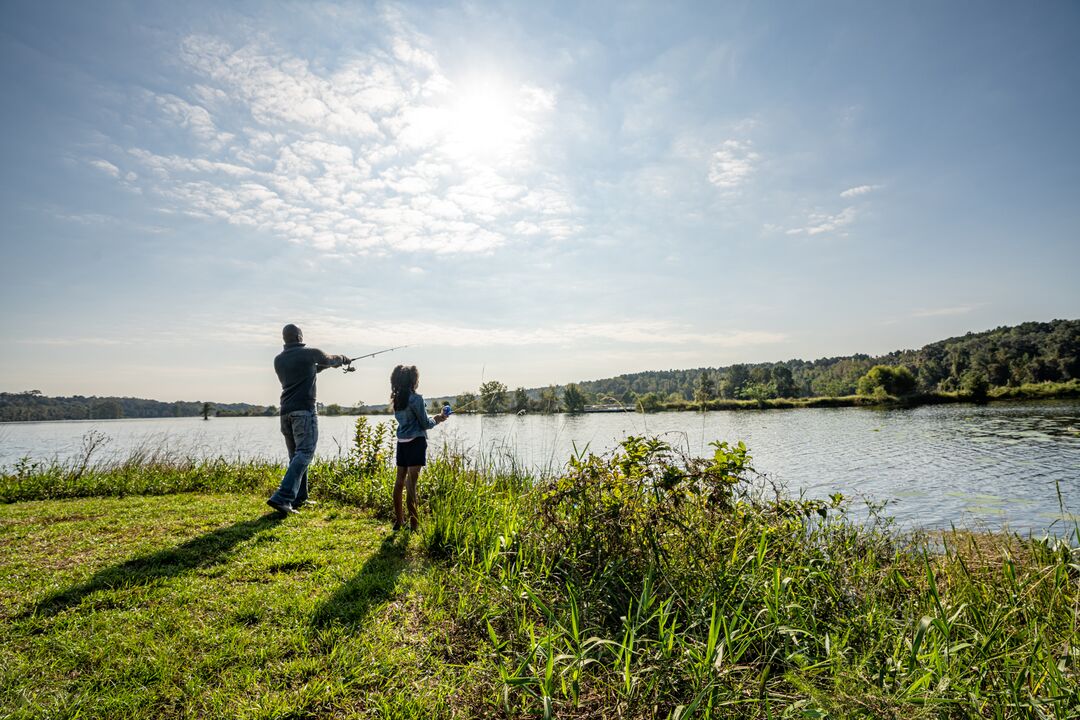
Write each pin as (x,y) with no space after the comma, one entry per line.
(974,384)
(612,521)
(362,476)
(895,381)
(650,402)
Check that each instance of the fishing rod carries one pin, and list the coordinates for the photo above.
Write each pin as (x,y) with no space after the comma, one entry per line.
(347,365)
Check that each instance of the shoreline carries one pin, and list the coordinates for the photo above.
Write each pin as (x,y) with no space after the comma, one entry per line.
(1028,392)
(1067,391)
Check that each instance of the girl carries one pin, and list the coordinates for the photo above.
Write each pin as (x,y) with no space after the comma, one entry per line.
(413,424)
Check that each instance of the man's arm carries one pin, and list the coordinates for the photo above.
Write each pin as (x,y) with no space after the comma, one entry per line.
(323,361)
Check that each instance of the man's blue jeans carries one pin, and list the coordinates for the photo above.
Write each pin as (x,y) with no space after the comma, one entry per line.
(301,431)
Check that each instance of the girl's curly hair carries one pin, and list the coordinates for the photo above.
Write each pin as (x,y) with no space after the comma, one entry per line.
(403,382)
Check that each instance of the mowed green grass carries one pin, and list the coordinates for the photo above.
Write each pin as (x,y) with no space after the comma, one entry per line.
(195,605)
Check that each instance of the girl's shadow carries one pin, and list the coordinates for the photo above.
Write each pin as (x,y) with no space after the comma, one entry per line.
(374,584)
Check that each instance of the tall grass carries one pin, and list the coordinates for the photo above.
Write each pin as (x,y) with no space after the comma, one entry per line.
(645,583)
(149,469)
(1037,391)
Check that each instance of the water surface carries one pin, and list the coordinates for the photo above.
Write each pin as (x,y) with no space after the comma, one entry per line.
(980,466)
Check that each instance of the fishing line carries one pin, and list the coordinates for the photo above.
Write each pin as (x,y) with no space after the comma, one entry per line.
(347,365)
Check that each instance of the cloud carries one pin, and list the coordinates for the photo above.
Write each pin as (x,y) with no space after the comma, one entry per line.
(369,157)
(194,118)
(939,312)
(101,219)
(106,167)
(819,223)
(282,91)
(732,164)
(860,190)
(629,332)
(646,97)
(73,342)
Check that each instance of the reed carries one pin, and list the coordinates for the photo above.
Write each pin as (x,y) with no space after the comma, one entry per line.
(152,468)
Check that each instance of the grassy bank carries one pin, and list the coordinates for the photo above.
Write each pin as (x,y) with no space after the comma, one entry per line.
(1028,391)
(639,584)
(143,472)
(204,606)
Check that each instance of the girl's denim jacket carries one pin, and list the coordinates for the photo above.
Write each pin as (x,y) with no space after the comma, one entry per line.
(413,421)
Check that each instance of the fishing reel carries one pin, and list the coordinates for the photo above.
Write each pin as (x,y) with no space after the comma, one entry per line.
(347,365)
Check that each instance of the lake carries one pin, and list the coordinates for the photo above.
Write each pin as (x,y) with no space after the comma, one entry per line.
(973,466)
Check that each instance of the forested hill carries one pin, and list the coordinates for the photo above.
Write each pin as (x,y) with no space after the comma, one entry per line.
(32,405)
(1028,353)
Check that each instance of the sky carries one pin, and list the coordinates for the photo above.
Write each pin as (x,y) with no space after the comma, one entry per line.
(533,193)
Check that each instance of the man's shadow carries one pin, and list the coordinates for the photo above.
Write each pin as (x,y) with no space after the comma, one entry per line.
(374,584)
(200,552)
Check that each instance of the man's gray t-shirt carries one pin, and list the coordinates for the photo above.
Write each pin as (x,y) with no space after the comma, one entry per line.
(296,367)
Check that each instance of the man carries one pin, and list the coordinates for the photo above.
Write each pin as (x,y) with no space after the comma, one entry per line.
(296,368)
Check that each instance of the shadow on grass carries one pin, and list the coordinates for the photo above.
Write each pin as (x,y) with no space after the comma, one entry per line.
(203,551)
(374,584)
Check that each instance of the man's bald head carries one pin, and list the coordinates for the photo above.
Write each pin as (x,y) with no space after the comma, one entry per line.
(291,334)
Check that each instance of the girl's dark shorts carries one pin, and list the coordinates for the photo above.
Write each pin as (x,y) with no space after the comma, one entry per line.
(412,453)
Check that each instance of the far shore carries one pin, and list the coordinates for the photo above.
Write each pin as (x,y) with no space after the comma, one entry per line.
(1026,392)
(1042,391)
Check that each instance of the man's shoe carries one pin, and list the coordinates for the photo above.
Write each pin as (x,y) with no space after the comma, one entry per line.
(283,508)
(397,526)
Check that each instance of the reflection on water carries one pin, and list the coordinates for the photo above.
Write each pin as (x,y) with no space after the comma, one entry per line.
(935,465)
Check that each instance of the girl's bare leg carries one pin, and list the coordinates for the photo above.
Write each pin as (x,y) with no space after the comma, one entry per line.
(410,495)
(399,485)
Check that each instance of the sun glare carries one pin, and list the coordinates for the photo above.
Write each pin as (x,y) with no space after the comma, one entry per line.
(485,123)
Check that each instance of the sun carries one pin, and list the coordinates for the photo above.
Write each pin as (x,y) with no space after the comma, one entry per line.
(485,122)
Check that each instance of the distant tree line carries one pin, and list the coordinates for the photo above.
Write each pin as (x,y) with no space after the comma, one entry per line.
(494,397)
(1004,357)
(32,405)
(360,408)
(973,364)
